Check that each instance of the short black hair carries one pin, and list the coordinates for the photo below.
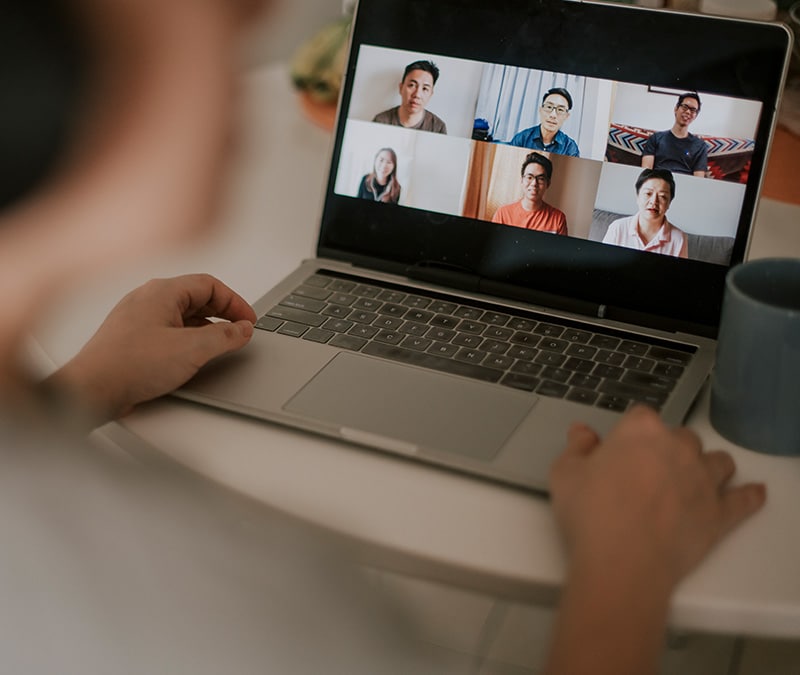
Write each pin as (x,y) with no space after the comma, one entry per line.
(561,92)
(427,66)
(541,160)
(663,174)
(690,94)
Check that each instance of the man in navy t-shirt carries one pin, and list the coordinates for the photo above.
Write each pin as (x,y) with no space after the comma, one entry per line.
(675,149)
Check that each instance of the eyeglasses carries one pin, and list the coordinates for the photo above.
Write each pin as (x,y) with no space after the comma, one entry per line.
(529,178)
(689,109)
(559,109)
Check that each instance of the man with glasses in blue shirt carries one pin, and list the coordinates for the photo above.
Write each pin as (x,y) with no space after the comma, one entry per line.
(547,135)
(675,149)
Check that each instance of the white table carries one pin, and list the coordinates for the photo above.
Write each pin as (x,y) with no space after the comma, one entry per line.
(407,517)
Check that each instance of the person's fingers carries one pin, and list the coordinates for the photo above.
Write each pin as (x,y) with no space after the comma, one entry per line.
(204,295)
(740,503)
(688,439)
(218,338)
(581,439)
(720,465)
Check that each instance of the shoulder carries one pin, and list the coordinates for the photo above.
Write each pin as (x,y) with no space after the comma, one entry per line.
(569,144)
(387,116)
(525,137)
(435,123)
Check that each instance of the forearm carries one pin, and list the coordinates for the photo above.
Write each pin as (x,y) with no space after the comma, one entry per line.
(611,621)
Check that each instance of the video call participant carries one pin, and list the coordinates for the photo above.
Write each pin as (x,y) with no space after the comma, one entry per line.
(547,135)
(532,212)
(381,185)
(416,89)
(676,149)
(649,229)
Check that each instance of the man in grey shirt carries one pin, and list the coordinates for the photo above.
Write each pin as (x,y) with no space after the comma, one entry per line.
(416,89)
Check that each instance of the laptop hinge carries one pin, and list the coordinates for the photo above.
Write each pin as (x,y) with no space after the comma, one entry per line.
(549,300)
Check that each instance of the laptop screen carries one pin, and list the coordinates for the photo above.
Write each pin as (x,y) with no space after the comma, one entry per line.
(595,152)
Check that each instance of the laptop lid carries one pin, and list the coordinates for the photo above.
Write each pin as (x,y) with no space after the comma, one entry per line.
(624,70)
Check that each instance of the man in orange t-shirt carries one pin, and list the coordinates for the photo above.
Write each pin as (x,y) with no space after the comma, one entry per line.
(532,212)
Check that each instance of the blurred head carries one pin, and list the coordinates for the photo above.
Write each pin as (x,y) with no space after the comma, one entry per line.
(385,165)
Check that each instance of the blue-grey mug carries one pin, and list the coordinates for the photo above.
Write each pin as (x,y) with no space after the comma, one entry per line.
(755,387)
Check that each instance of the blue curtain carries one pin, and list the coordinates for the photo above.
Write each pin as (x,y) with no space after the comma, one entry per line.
(510,97)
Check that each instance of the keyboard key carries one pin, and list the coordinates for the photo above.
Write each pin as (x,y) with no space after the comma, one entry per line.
(342,285)
(494,347)
(420,344)
(553,344)
(312,292)
(339,311)
(496,318)
(391,296)
(417,302)
(526,368)
(366,291)
(576,336)
(347,342)
(392,309)
(604,341)
(498,361)
(523,338)
(319,280)
(299,302)
(427,360)
(615,403)
(472,313)
(444,321)
(318,335)
(342,299)
(469,355)
(639,363)
(297,316)
(670,355)
(469,326)
(582,350)
(524,353)
(525,325)
(610,358)
(550,358)
(362,316)
(520,381)
(548,329)
(442,307)
(582,396)
(442,334)
(467,340)
(369,304)
(414,328)
(579,365)
(611,372)
(632,392)
(389,337)
(292,329)
(635,348)
(420,315)
(388,322)
(361,330)
(552,389)
(268,323)
(443,349)
(582,381)
(498,333)
(668,370)
(649,381)
(338,325)
(556,374)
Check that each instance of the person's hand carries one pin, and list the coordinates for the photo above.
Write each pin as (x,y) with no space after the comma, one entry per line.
(646,493)
(153,341)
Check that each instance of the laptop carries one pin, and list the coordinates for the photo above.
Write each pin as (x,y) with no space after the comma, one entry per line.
(469,303)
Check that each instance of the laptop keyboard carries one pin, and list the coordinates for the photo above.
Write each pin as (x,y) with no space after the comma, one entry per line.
(526,351)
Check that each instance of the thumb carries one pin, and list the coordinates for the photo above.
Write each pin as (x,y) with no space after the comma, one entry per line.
(215,339)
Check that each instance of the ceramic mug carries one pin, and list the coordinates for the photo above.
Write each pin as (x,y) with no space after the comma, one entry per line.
(755,387)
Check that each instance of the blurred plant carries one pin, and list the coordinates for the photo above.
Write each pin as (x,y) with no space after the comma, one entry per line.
(317,67)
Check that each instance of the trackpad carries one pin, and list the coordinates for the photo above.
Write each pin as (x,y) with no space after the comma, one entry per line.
(425,409)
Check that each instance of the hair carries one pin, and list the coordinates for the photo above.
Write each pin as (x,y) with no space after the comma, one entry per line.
(427,66)
(390,193)
(663,174)
(541,160)
(690,94)
(561,92)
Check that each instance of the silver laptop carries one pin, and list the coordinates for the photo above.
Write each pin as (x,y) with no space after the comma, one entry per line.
(530,213)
